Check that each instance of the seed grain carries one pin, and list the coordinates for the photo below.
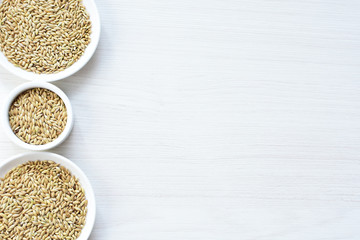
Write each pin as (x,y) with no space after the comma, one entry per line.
(38,116)
(41,200)
(44,36)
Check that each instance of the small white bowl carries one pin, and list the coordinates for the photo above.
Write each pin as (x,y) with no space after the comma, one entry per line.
(23,87)
(89,51)
(15,161)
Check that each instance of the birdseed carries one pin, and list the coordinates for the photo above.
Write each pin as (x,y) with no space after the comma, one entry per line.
(44,36)
(41,200)
(38,116)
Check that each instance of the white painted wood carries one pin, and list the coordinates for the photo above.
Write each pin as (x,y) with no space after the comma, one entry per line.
(220,120)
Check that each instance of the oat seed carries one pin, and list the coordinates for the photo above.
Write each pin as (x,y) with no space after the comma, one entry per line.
(44,36)
(41,200)
(38,116)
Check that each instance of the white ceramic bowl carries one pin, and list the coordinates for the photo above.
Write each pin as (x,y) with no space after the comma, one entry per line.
(13,162)
(95,36)
(23,87)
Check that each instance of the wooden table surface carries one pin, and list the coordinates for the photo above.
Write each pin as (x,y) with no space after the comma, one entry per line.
(219,120)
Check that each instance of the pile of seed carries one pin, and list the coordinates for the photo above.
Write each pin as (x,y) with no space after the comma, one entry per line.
(38,116)
(41,200)
(44,36)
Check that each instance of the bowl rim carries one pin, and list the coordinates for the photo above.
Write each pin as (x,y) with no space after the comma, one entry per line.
(74,169)
(29,85)
(93,12)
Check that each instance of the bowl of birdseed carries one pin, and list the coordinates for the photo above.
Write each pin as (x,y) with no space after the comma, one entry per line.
(47,40)
(45,196)
(37,116)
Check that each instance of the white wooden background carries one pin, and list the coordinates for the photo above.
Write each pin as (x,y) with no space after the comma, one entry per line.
(219,120)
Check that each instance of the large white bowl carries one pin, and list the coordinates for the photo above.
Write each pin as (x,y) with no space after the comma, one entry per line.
(15,161)
(5,116)
(90,49)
